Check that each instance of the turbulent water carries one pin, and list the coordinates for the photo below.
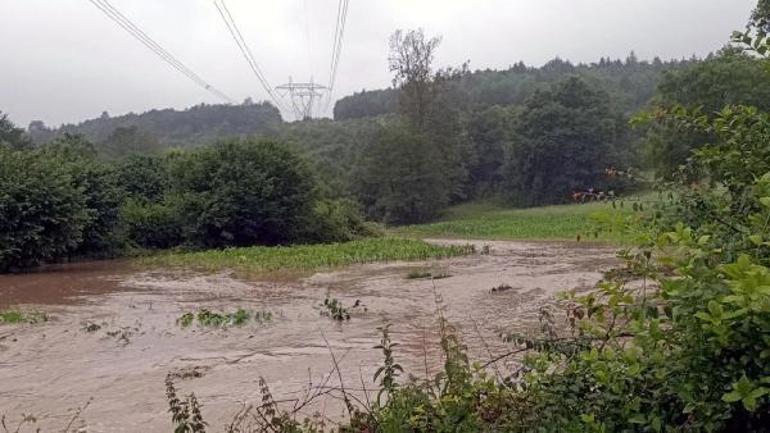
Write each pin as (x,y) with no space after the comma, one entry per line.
(52,368)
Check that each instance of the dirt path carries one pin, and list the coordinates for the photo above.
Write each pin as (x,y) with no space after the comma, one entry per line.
(50,369)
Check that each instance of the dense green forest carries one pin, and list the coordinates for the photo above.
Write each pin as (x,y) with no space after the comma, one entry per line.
(632,82)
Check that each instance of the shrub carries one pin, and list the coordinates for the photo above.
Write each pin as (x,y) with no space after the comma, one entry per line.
(151,225)
(143,177)
(42,213)
(243,192)
(338,221)
(96,181)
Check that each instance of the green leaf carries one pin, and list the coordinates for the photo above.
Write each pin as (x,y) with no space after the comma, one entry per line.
(656,424)
(732,397)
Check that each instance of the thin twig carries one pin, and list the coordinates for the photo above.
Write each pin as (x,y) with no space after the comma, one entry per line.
(486,346)
(348,404)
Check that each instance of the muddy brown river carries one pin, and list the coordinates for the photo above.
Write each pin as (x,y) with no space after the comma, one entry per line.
(50,369)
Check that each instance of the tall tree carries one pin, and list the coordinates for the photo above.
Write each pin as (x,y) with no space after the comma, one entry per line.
(732,77)
(398,179)
(411,60)
(564,140)
(11,136)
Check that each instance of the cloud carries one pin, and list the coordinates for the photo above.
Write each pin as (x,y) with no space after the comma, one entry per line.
(64,61)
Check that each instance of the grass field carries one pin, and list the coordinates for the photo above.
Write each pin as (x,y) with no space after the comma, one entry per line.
(309,257)
(488,220)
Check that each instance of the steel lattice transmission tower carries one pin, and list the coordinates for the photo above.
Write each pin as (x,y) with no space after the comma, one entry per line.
(303,96)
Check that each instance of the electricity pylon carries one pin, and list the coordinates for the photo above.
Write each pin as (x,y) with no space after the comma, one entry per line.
(303,96)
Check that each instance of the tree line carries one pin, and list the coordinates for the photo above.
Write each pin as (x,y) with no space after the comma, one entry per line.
(61,200)
(439,146)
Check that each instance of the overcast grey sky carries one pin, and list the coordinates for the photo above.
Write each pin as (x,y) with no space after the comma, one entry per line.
(64,61)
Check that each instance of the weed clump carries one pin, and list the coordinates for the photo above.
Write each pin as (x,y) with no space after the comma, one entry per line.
(18,317)
(502,288)
(91,327)
(208,318)
(335,310)
(421,274)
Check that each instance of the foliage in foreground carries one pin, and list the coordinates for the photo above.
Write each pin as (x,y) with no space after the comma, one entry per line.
(311,257)
(676,340)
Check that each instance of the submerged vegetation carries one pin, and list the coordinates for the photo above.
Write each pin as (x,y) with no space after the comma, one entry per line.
(311,257)
(15,317)
(418,274)
(335,310)
(208,318)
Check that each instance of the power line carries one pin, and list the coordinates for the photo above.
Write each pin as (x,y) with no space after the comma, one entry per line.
(232,27)
(339,34)
(115,15)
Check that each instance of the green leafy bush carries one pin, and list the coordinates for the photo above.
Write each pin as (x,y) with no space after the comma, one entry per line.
(242,192)
(151,225)
(42,212)
(96,181)
(338,221)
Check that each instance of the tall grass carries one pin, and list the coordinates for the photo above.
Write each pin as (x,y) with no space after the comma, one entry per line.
(488,220)
(310,257)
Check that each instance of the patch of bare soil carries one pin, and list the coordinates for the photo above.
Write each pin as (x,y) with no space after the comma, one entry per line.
(114,336)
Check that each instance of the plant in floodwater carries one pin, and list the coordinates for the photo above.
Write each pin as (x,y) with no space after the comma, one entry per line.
(334,309)
(28,422)
(16,317)
(185,414)
(208,318)
(502,288)
(312,257)
(91,327)
(390,370)
(123,335)
(185,320)
(420,274)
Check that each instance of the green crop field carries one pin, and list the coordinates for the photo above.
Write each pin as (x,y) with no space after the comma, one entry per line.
(488,220)
(309,257)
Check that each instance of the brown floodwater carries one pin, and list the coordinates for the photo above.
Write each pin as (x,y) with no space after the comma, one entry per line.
(52,368)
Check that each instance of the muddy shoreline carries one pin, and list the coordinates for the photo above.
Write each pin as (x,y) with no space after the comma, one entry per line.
(51,368)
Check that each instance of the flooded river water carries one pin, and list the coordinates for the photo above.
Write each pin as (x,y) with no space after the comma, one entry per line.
(50,369)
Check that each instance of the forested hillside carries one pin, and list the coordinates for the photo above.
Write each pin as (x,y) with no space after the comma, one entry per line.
(442,136)
(631,82)
(161,129)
